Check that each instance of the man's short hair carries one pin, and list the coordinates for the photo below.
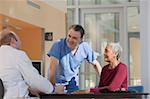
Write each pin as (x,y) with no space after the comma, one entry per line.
(6,36)
(78,28)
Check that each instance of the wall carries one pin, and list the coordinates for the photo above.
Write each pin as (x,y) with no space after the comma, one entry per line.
(145,46)
(30,35)
(47,17)
(32,42)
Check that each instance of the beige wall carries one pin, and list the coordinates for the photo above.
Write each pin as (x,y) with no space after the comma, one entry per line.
(47,17)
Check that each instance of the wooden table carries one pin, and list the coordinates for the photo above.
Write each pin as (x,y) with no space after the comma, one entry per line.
(96,96)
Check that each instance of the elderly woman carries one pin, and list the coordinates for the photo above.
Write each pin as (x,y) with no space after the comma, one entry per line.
(114,76)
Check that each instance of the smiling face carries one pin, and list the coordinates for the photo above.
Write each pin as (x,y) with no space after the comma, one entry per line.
(109,54)
(73,38)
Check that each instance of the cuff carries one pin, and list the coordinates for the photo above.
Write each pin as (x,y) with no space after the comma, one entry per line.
(53,89)
(94,90)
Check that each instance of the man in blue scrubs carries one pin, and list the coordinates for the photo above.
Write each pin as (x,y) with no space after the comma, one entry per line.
(66,55)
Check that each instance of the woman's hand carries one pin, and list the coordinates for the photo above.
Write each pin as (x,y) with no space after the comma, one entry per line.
(87,91)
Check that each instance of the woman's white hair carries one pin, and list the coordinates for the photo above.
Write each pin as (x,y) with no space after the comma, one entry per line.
(116,47)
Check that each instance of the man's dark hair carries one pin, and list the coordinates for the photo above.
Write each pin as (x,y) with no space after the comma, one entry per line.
(78,28)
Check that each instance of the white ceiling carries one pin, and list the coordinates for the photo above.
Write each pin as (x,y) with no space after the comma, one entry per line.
(58,4)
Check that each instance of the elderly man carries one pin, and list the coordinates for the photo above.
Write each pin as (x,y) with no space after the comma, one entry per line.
(16,70)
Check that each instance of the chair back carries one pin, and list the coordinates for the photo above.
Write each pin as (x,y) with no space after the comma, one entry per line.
(136,88)
(1,89)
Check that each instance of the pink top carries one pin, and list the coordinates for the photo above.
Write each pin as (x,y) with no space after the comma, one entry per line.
(113,79)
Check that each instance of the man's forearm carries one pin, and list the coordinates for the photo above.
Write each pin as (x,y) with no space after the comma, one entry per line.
(97,67)
(52,79)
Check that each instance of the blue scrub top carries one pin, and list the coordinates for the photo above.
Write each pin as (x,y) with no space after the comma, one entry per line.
(68,66)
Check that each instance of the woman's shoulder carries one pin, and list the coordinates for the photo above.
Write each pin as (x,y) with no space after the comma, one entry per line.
(122,65)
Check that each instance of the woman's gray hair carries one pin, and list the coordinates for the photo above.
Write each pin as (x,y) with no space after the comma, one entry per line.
(116,47)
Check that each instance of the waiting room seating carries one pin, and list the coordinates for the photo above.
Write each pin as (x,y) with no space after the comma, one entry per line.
(136,88)
(1,89)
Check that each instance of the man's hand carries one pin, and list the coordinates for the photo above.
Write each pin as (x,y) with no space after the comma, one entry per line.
(34,91)
(59,89)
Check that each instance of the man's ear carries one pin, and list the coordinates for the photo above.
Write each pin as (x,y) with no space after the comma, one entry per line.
(12,42)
